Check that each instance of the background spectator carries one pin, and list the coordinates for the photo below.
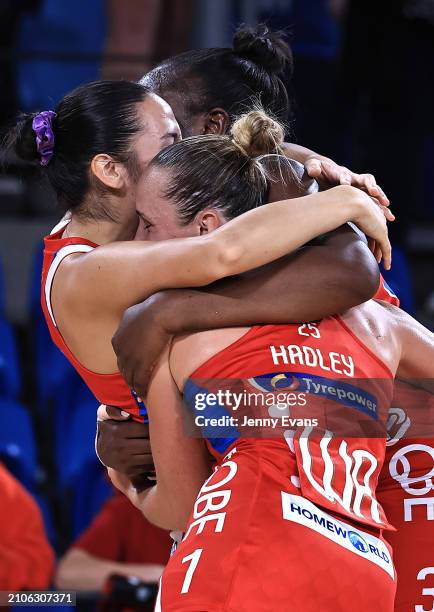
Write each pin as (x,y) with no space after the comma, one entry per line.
(119,541)
(26,558)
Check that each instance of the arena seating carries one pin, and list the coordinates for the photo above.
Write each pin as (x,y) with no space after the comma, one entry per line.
(17,442)
(10,374)
(71,481)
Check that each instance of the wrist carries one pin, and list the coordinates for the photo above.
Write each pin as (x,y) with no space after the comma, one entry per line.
(349,203)
(167,311)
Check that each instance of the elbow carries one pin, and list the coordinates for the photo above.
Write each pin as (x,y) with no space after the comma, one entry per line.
(362,278)
(226,258)
(367,278)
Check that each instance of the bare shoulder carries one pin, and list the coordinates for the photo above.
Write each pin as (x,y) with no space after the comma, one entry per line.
(404,322)
(373,317)
(376,326)
(190,351)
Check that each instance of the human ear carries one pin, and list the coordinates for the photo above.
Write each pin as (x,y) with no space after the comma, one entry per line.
(216,122)
(209,220)
(110,173)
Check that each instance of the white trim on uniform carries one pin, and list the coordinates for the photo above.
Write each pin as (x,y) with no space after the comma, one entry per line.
(62,223)
(60,256)
(158,600)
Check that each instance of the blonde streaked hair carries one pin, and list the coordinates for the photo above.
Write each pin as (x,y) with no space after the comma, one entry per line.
(230,173)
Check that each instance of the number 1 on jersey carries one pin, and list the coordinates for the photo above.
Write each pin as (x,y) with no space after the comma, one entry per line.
(194,559)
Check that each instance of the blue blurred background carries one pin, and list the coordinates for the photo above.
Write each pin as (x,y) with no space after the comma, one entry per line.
(362,93)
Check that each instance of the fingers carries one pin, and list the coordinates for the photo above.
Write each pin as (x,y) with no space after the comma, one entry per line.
(106,413)
(372,244)
(141,482)
(126,371)
(384,251)
(382,197)
(313,167)
(144,462)
(345,176)
(368,183)
(388,213)
(141,381)
(137,447)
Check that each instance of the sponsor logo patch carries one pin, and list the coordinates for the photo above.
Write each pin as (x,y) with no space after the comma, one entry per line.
(300,510)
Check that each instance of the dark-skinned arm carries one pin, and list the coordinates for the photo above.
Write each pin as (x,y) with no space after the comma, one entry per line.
(329,173)
(317,281)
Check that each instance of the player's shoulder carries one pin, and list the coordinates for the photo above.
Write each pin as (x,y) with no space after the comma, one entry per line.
(388,307)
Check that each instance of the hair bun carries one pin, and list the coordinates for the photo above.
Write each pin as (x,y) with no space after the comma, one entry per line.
(22,140)
(256,133)
(269,50)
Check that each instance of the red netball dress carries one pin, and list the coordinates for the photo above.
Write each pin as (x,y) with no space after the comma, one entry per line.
(108,389)
(289,519)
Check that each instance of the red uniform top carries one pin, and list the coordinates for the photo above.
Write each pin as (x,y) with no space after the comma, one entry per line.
(406,491)
(108,389)
(121,533)
(320,370)
(386,294)
(26,557)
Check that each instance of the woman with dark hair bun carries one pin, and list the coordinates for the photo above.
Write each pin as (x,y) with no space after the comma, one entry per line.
(209,88)
(225,79)
(93,150)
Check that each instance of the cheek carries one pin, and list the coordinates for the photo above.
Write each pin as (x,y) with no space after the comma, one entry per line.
(169,229)
(142,233)
(147,148)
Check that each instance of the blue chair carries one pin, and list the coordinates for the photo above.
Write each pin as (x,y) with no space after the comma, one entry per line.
(75,426)
(71,29)
(82,478)
(17,443)
(54,374)
(2,290)
(89,491)
(10,374)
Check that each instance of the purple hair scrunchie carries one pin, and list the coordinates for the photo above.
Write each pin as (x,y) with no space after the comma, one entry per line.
(42,125)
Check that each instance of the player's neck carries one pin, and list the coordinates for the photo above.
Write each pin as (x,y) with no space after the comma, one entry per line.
(100,232)
(103,221)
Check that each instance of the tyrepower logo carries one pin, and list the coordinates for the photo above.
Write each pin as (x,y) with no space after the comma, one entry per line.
(300,510)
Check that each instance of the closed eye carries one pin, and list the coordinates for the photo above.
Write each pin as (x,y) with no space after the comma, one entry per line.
(145,223)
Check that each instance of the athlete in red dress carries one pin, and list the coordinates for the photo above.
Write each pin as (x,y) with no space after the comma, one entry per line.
(406,487)
(289,523)
(105,387)
(406,491)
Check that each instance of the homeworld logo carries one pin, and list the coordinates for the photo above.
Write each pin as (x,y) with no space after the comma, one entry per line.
(357,541)
(300,510)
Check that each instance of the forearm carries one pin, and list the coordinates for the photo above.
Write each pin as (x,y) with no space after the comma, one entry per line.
(300,154)
(316,282)
(84,572)
(282,227)
(164,509)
